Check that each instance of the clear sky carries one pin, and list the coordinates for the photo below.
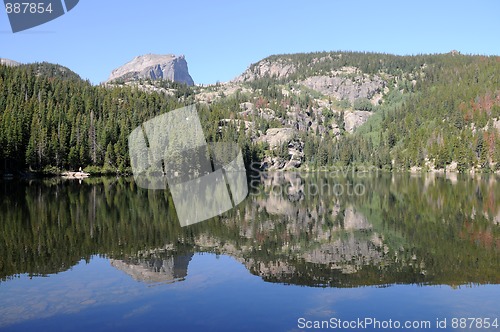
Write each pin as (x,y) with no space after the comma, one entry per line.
(220,39)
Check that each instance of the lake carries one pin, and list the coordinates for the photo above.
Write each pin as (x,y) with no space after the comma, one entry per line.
(362,252)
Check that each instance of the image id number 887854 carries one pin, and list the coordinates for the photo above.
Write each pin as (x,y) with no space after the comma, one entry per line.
(28,8)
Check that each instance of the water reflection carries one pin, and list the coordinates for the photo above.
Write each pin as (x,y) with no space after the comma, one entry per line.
(156,267)
(312,229)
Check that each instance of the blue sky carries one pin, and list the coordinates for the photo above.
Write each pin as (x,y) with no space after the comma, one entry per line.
(221,38)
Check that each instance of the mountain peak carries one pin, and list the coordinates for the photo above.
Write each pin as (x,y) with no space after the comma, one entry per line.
(155,67)
(8,62)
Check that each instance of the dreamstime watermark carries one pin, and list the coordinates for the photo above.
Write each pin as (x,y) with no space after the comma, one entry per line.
(171,150)
(26,14)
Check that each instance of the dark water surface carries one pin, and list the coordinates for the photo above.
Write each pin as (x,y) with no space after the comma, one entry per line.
(301,250)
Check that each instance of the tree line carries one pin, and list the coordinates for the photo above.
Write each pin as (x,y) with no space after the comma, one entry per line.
(60,121)
(440,108)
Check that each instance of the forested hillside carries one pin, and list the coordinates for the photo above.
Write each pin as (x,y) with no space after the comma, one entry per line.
(434,110)
(287,111)
(61,121)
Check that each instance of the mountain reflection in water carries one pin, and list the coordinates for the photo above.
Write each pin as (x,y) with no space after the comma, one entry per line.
(292,229)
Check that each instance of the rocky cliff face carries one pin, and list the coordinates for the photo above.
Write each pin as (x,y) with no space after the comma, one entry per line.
(341,87)
(275,69)
(331,86)
(347,83)
(355,119)
(155,67)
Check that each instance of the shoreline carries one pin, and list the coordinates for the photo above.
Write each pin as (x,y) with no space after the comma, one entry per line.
(339,171)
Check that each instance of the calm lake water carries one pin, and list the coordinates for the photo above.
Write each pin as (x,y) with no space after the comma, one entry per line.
(301,251)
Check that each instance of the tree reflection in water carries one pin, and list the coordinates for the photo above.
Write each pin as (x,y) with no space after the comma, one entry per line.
(292,228)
